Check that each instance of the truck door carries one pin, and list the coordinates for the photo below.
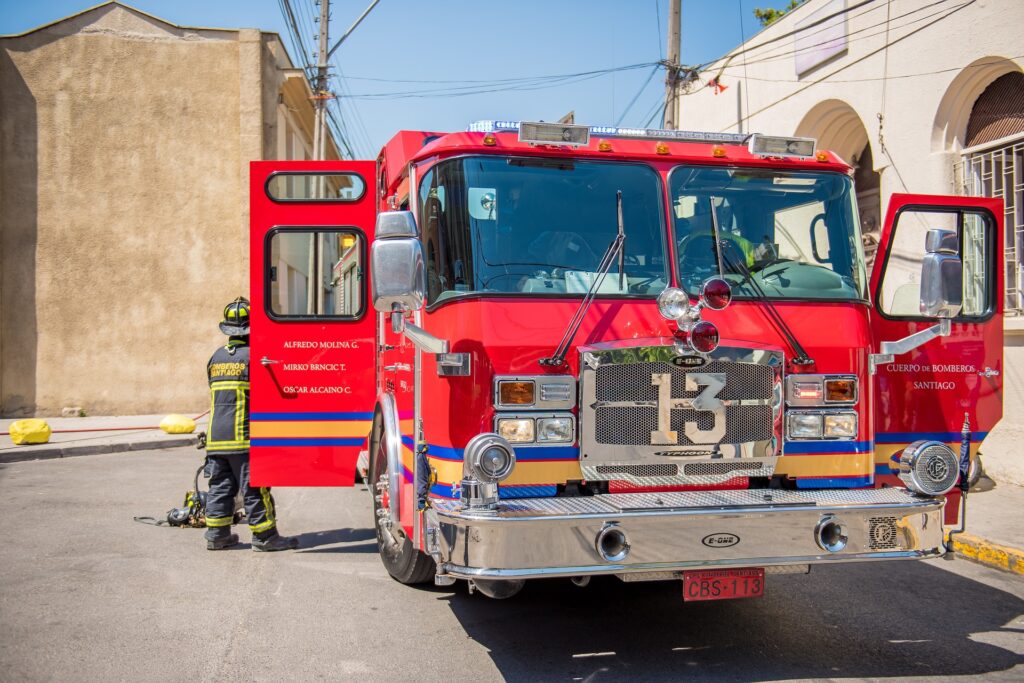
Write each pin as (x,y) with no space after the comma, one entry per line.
(924,394)
(312,374)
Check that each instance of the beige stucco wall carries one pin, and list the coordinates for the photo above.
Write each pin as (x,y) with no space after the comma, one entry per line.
(124,152)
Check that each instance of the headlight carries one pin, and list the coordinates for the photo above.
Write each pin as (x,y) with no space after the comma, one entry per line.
(489,458)
(840,426)
(673,303)
(804,425)
(929,467)
(555,430)
(516,430)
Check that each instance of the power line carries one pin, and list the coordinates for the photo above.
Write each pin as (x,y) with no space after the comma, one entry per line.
(856,61)
(534,83)
(794,32)
(779,56)
(637,95)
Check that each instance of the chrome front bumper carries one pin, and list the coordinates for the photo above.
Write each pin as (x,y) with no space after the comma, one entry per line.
(548,537)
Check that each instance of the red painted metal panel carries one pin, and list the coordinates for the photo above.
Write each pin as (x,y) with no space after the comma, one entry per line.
(313,402)
(924,394)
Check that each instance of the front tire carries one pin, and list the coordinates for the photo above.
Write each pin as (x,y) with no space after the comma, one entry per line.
(405,563)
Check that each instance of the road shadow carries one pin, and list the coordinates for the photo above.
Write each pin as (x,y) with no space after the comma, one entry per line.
(318,541)
(857,621)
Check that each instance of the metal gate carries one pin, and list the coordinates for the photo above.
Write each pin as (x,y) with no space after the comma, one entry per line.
(996,169)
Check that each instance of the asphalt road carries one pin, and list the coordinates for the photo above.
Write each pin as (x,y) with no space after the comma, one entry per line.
(87,594)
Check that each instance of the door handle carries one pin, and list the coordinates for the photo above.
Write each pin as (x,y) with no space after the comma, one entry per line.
(989,372)
(265,362)
(398,367)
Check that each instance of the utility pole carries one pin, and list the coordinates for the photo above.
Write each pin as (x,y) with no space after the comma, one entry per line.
(671,120)
(320,92)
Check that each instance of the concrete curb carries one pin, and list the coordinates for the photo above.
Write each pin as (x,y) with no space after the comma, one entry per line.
(988,553)
(50,451)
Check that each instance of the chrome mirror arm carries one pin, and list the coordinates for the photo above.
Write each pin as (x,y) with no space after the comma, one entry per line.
(889,350)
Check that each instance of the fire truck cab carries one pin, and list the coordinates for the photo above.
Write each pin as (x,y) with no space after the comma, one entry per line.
(563,351)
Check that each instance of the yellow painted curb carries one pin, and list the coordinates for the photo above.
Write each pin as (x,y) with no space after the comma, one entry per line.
(992,554)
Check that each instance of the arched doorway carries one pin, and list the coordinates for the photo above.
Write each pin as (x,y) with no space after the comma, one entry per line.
(838,128)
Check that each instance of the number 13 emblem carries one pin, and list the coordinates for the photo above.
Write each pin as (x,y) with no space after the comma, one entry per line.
(707,400)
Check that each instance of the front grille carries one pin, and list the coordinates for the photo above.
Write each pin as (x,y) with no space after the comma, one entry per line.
(632,425)
(632,381)
(706,469)
(659,470)
(882,533)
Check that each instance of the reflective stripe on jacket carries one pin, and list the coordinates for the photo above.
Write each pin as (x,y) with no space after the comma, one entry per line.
(228,374)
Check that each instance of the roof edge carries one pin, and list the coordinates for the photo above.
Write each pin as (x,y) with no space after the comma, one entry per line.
(131,9)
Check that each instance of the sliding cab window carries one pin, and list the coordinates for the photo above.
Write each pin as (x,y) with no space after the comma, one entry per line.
(899,292)
(315,273)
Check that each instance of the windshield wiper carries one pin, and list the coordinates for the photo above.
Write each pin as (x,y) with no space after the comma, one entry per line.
(723,249)
(617,247)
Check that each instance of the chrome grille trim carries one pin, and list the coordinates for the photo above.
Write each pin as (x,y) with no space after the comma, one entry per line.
(632,395)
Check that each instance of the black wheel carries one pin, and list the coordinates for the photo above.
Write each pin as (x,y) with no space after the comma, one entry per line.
(403,561)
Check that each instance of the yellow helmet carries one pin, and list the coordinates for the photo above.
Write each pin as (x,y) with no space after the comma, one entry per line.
(236,318)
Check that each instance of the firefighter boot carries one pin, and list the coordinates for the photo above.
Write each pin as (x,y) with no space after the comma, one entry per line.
(273,541)
(218,538)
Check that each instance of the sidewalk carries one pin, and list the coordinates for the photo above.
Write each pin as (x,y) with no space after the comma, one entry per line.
(995,526)
(93,435)
(995,515)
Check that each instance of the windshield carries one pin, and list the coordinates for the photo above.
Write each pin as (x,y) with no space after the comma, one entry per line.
(539,226)
(788,234)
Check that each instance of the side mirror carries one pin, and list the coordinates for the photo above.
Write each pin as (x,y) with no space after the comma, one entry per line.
(942,275)
(396,264)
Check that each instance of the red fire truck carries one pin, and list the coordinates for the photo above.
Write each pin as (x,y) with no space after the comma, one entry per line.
(564,351)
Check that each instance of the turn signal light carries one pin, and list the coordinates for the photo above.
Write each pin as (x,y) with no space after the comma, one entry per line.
(516,393)
(840,390)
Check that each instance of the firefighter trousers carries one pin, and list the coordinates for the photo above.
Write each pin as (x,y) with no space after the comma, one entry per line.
(229,473)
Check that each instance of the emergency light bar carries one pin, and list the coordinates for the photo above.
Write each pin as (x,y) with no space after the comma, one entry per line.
(553,133)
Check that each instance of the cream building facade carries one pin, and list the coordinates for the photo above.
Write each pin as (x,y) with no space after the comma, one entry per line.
(125,144)
(919,96)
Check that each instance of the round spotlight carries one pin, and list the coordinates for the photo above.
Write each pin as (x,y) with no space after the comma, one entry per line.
(704,337)
(673,303)
(930,468)
(489,457)
(716,294)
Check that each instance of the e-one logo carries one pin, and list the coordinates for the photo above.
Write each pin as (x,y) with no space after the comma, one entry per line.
(720,540)
(688,361)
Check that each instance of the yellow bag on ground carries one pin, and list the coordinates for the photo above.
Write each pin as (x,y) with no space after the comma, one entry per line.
(24,432)
(178,424)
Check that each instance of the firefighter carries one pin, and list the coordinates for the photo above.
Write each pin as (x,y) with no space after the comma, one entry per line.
(227,446)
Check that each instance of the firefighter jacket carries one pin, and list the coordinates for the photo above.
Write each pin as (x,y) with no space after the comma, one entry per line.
(228,373)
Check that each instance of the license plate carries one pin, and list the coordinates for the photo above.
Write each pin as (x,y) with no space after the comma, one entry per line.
(723,584)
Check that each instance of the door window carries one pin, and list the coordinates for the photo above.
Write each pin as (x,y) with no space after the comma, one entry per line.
(315,273)
(899,292)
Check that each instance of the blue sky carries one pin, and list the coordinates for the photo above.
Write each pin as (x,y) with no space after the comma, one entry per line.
(458,40)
